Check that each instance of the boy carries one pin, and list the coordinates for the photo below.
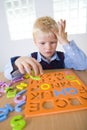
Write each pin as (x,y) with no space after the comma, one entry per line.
(47,33)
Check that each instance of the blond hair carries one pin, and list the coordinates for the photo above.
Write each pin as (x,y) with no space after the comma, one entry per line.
(45,24)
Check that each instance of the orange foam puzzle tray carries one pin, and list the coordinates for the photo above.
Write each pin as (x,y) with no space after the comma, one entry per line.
(55,92)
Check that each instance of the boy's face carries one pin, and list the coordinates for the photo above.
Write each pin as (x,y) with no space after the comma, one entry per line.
(46,44)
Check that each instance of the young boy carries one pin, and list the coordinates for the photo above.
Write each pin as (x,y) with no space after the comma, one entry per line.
(47,33)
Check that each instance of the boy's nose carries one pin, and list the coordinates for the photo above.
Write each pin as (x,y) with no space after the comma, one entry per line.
(48,46)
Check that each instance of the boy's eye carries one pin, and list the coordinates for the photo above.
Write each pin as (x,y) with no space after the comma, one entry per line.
(53,42)
(42,43)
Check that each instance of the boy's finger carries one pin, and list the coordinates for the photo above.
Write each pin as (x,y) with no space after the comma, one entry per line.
(21,69)
(60,28)
(55,32)
(28,69)
(40,68)
(63,22)
(37,68)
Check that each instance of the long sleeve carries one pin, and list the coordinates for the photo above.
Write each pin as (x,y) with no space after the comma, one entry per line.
(9,72)
(74,57)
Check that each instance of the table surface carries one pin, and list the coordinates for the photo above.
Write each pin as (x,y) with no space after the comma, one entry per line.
(76,120)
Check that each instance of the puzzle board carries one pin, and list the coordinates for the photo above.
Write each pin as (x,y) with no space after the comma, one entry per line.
(55,92)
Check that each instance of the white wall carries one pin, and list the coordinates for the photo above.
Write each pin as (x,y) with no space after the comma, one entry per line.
(10,48)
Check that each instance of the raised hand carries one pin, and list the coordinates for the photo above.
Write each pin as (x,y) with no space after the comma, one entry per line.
(62,35)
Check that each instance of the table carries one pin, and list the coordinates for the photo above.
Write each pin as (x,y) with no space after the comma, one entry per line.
(76,120)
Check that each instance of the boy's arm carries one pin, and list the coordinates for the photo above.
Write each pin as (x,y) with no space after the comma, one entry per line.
(18,66)
(74,57)
(10,70)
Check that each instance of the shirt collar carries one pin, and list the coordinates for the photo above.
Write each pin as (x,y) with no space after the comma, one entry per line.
(54,57)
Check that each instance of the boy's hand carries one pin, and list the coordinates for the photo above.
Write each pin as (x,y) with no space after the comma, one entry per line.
(62,35)
(27,64)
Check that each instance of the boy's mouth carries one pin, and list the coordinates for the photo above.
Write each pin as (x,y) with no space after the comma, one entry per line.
(49,52)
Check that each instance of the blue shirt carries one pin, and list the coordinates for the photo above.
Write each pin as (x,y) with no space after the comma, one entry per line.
(74,58)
